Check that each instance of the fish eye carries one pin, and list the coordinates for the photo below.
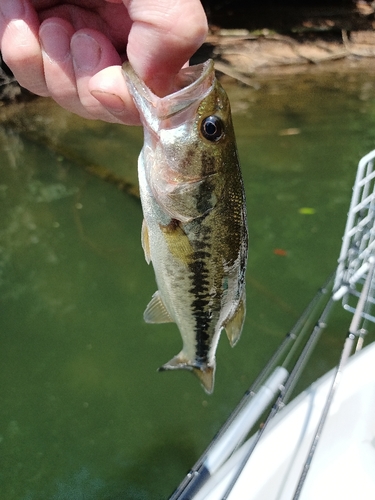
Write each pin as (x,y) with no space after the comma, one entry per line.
(212,128)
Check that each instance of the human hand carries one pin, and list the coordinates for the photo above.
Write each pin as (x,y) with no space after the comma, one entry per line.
(72,51)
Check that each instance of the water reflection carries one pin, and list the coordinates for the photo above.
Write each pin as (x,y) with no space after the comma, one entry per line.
(84,413)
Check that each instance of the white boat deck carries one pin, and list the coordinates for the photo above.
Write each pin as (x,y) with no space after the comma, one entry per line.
(344,463)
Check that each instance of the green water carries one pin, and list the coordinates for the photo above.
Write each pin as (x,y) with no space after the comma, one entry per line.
(84,414)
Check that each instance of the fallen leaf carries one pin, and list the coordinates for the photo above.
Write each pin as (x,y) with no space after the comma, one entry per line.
(290,131)
(280,251)
(306,211)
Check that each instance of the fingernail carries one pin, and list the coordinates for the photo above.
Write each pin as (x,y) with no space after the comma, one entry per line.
(86,52)
(55,41)
(112,102)
(12,9)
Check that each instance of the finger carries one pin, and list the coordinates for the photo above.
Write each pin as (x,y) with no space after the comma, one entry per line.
(109,88)
(92,52)
(164,35)
(55,35)
(20,45)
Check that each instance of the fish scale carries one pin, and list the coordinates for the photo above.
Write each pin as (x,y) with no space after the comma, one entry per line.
(194,230)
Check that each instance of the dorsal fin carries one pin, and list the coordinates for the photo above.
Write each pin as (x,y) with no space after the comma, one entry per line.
(156,312)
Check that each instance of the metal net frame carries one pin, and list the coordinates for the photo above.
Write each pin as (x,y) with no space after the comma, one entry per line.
(358,246)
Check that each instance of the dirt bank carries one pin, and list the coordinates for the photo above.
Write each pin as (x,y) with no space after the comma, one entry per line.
(244,55)
(250,39)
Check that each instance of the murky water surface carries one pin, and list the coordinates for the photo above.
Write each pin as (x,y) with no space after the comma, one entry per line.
(84,414)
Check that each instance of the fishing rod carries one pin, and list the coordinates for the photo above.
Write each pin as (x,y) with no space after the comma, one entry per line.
(284,392)
(353,333)
(355,261)
(255,401)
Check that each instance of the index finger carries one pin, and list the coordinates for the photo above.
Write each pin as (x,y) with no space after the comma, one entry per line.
(19,44)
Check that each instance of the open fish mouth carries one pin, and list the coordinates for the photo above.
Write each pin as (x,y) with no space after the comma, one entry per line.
(193,84)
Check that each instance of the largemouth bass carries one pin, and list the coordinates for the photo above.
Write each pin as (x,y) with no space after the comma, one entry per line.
(194,230)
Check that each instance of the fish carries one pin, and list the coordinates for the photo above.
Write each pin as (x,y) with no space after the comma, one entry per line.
(194,230)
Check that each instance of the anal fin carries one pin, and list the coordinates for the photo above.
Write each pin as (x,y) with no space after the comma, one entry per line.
(156,312)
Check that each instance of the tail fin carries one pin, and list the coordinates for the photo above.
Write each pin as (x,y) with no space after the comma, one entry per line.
(234,324)
(207,377)
(205,372)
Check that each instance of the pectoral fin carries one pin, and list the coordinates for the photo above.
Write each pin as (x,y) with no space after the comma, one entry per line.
(234,324)
(156,312)
(205,372)
(177,241)
(145,242)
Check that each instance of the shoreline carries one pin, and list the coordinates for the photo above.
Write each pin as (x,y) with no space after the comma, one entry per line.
(246,56)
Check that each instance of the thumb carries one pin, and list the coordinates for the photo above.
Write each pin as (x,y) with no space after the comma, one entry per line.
(163,37)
